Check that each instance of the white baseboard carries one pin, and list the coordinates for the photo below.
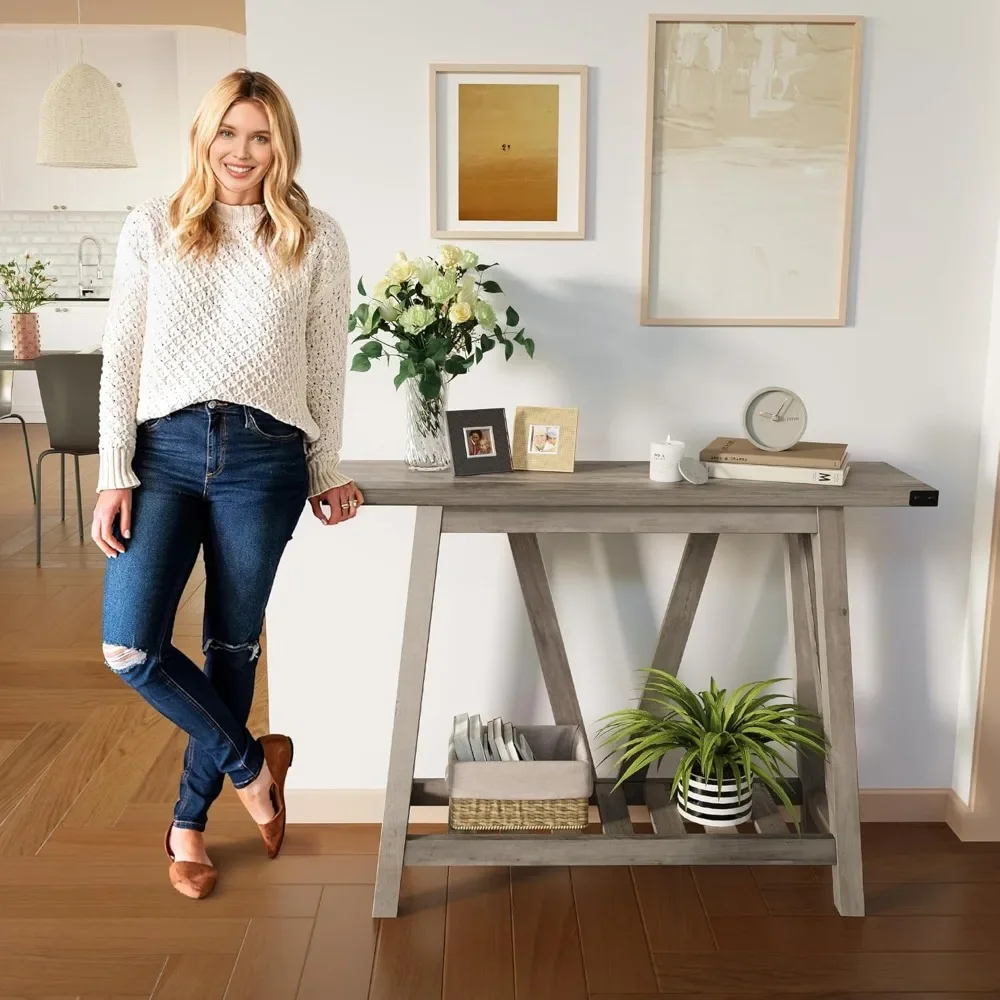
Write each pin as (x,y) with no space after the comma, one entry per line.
(969,825)
(315,805)
(904,805)
(878,805)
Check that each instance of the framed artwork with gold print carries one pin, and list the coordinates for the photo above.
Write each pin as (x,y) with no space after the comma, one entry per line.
(508,152)
(544,439)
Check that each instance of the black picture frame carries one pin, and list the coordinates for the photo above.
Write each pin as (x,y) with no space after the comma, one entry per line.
(492,427)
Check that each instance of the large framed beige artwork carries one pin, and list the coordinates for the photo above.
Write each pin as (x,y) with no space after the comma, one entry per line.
(508,152)
(750,161)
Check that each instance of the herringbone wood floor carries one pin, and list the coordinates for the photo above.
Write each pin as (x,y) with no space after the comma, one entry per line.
(88,776)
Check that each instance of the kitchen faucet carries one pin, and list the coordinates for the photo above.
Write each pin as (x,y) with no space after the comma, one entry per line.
(88,287)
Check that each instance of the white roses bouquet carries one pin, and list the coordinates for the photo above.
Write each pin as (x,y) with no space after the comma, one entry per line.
(431,316)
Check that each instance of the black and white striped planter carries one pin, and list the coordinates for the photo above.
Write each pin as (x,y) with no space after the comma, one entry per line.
(705,806)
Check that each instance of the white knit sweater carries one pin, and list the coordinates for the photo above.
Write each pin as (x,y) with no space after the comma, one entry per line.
(234,328)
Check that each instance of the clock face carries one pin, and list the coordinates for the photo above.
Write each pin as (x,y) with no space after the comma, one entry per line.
(774,419)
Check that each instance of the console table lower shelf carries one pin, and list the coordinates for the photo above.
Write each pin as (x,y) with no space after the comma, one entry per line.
(606,497)
(775,841)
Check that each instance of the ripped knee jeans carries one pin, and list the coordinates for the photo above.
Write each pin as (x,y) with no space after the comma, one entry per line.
(211,482)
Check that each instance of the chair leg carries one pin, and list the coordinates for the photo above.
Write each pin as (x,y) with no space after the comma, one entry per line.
(38,508)
(79,500)
(27,450)
(62,484)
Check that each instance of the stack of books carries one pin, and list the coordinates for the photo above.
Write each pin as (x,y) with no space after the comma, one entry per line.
(806,462)
(474,739)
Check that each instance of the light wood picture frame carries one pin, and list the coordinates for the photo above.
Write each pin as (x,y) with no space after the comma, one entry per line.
(544,439)
(508,151)
(750,160)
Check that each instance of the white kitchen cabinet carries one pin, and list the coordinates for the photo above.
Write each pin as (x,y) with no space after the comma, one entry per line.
(63,327)
(154,67)
(143,61)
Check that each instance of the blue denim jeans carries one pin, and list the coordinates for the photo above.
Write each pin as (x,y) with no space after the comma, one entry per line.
(231,480)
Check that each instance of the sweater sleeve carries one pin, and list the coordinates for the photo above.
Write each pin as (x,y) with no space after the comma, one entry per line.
(122,347)
(326,353)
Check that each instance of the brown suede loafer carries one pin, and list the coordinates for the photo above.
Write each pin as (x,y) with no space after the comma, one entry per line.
(189,878)
(278,752)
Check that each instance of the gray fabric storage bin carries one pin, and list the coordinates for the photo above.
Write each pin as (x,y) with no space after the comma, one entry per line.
(552,791)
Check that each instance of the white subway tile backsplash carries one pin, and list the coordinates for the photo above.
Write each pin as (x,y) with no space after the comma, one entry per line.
(56,236)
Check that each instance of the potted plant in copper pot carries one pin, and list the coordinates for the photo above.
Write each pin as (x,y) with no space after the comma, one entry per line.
(24,287)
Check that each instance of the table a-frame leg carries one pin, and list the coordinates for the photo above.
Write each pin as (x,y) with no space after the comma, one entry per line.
(800,587)
(545,629)
(406,722)
(684,599)
(837,700)
(675,629)
(555,664)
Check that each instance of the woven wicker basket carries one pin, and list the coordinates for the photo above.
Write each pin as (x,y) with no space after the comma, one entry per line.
(83,122)
(551,792)
(518,814)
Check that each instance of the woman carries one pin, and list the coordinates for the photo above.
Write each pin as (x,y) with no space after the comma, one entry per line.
(221,410)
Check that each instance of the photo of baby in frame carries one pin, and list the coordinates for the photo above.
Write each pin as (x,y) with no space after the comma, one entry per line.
(479,442)
(544,439)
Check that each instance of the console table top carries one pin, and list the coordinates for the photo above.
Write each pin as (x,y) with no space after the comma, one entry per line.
(627,484)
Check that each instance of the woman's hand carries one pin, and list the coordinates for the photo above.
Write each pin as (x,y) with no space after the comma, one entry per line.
(112,504)
(343,502)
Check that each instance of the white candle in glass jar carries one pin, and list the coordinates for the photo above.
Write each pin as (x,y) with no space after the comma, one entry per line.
(664,461)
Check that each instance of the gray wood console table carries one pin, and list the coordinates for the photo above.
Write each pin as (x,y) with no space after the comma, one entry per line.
(609,497)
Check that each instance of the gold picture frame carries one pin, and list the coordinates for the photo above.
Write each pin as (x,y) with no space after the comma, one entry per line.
(544,439)
(508,151)
(735,146)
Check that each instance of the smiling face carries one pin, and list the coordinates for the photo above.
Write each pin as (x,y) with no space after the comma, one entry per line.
(241,153)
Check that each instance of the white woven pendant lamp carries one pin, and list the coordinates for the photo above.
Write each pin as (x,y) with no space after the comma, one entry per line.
(83,121)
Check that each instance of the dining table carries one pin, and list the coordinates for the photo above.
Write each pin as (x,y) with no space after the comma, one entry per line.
(8,363)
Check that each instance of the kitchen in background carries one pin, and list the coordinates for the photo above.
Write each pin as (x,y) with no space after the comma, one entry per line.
(72,216)
(81,246)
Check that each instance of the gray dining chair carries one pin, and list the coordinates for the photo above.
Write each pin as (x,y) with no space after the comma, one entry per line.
(7,413)
(70,386)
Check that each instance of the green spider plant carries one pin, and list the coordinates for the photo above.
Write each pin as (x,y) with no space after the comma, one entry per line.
(737,735)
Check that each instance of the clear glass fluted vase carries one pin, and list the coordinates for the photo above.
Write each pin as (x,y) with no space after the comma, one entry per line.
(426,430)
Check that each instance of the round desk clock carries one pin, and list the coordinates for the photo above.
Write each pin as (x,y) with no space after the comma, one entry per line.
(774,418)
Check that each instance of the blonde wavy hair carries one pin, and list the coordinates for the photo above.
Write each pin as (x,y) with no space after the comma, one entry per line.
(285,228)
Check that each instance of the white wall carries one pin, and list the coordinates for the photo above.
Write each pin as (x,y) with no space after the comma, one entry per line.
(203,56)
(969,678)
(903,382)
